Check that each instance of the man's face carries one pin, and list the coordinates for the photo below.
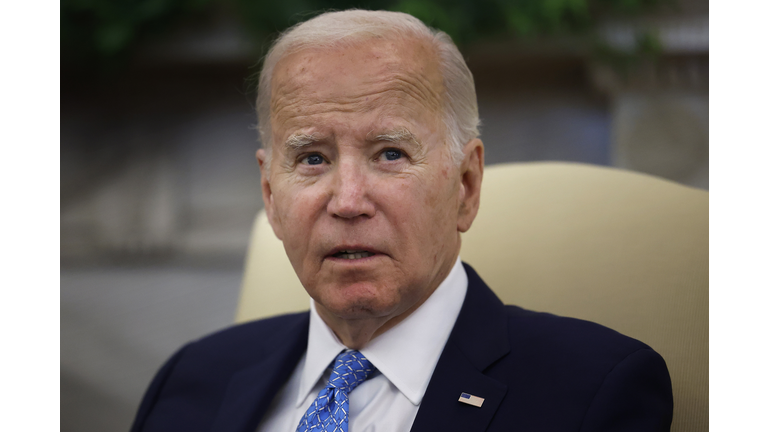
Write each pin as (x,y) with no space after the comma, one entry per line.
(362,189)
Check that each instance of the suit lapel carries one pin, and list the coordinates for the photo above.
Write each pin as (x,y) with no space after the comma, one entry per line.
(478,339)
(251,390)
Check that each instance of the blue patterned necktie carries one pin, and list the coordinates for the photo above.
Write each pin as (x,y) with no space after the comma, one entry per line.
(330,411)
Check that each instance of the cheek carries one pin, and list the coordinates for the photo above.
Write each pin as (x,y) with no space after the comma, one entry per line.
(296,209)
(426,211)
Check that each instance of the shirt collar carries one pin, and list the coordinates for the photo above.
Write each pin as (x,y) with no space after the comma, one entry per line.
(322,348)
(407,353)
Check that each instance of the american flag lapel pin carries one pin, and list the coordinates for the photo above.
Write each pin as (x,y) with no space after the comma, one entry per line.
(471,400)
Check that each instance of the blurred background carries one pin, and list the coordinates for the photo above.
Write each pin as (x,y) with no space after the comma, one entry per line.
(159,183)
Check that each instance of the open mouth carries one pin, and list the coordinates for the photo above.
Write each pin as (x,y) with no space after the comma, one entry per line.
(352,254)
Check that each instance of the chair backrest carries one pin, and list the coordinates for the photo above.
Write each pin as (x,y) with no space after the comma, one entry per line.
(626,250)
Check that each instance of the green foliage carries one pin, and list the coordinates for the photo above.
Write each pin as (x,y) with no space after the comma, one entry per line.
(101,31)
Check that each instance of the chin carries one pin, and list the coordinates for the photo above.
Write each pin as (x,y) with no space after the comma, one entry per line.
(357,302)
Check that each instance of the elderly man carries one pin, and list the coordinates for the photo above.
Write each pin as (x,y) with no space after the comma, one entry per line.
(371,169)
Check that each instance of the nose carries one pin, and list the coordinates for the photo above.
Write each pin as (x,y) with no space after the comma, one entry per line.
(350,192)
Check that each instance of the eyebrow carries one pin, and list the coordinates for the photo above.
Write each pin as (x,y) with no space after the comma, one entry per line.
(402,134)
(300,140)
(397,135)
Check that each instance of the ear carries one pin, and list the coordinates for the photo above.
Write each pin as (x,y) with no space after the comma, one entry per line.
(471,170)
(266,194)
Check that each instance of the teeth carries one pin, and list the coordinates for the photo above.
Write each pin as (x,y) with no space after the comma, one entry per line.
(353,255)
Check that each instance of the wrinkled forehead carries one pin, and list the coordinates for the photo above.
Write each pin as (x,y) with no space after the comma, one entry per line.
(371,67)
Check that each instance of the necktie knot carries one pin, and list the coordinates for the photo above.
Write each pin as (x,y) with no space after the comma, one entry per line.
(350,369)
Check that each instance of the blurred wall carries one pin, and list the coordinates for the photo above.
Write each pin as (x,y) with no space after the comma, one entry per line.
(160,183)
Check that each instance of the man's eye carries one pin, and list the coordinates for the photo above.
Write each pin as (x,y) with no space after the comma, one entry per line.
(314,159)
(392,154)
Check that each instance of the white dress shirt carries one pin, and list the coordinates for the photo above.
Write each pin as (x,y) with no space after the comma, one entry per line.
(405,356)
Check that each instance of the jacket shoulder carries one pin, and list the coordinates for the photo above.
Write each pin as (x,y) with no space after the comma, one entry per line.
(245,341)
(590,374)
(187,392)
(549,332)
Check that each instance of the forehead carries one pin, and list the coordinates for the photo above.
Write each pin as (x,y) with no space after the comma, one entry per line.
(374,72)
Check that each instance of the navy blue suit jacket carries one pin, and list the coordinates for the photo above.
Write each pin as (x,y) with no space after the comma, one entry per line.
(536,371)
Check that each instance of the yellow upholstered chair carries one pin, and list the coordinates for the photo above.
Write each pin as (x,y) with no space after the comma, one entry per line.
(626,250)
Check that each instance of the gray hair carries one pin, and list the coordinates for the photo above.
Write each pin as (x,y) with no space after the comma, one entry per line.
(333,29)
